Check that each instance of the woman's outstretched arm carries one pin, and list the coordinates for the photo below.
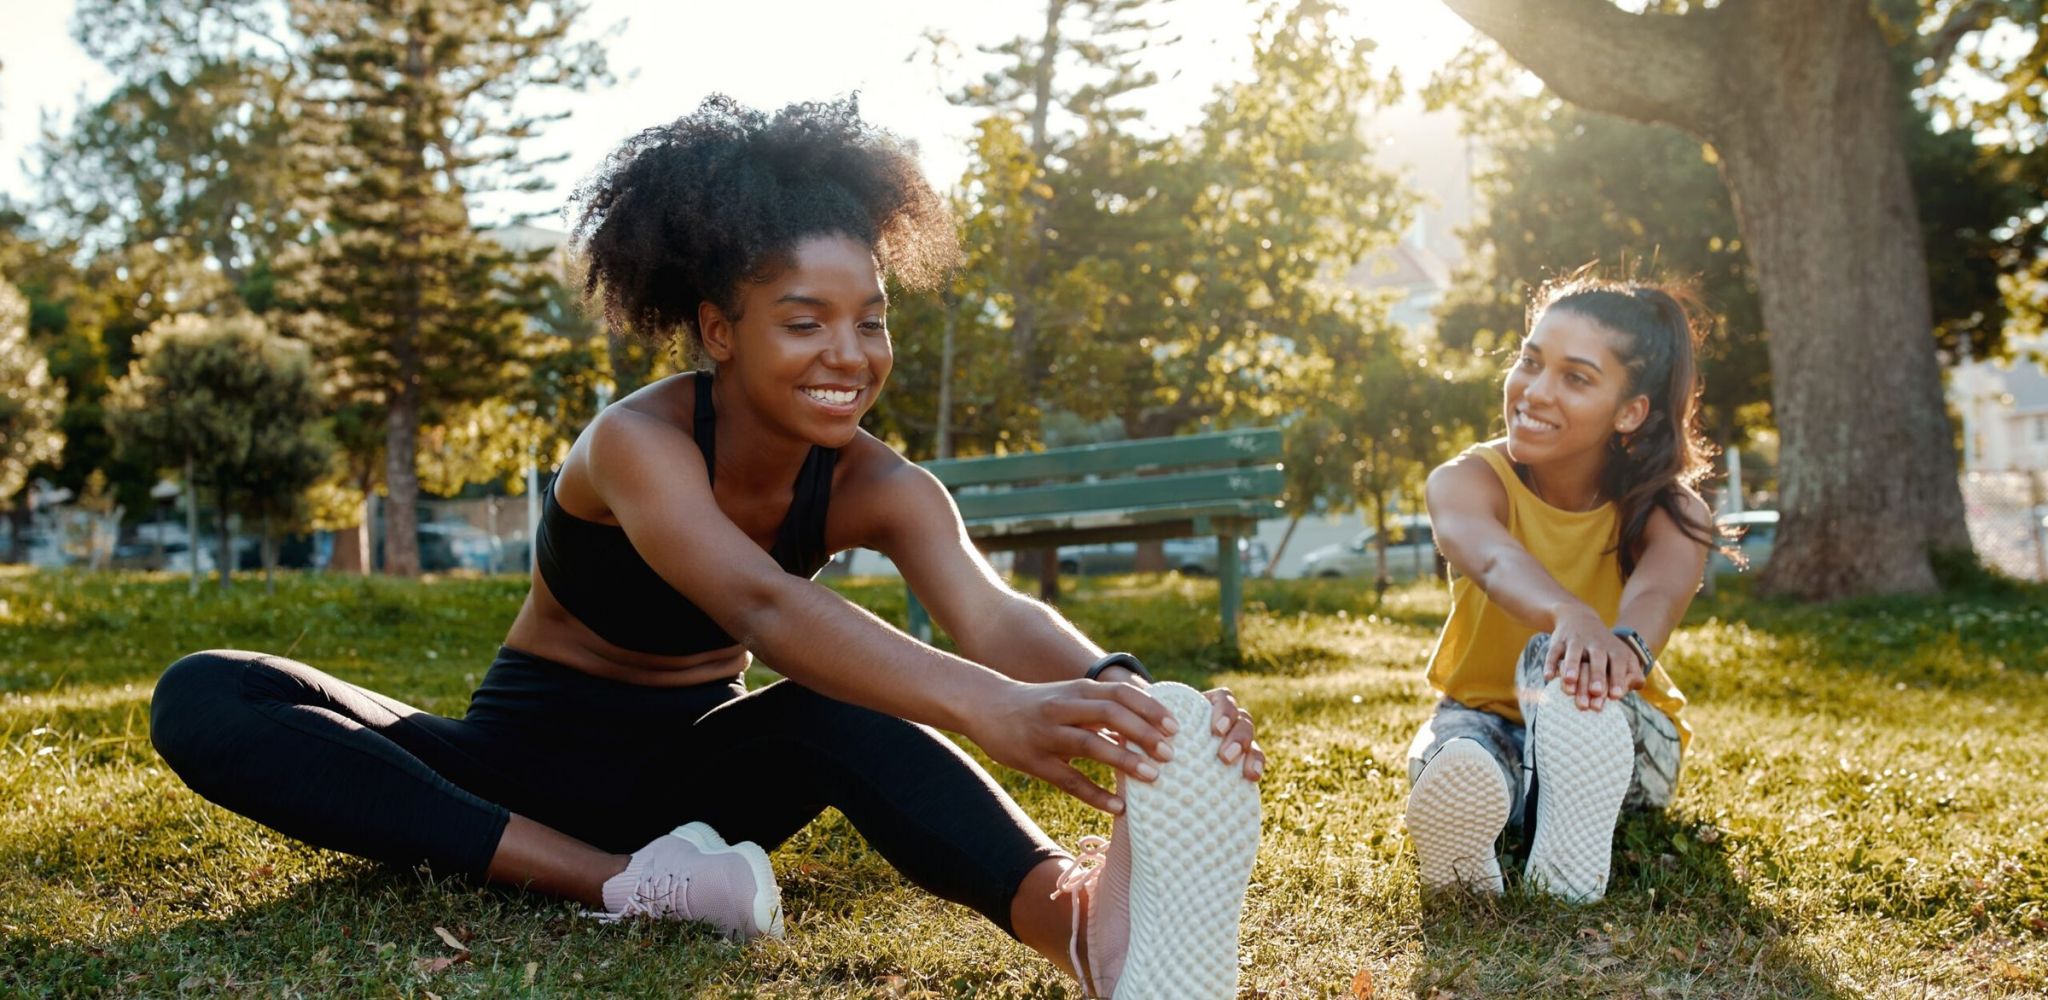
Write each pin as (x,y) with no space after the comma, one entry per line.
(917,525)
(652,479)
(1666,578)
(1468,509)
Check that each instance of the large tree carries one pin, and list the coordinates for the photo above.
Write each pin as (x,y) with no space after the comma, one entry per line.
(1802,102)
(417,103)
(30,400)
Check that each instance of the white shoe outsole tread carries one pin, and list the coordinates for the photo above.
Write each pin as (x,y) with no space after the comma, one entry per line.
(1583,764)
(1194,835)
(1456,812)
(767,894)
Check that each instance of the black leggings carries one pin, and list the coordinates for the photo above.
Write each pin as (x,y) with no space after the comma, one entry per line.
(610,763)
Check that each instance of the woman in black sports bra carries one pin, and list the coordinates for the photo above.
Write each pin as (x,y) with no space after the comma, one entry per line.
(612,754)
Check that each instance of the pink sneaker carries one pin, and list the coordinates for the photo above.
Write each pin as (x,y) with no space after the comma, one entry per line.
(693,874)
(1099,883)
(1163,899)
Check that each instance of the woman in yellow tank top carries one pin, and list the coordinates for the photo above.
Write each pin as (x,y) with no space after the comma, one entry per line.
(1575,543)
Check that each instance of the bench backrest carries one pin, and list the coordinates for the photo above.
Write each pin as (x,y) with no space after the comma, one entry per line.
(1241,465)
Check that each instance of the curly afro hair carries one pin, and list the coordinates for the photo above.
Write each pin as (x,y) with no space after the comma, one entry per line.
(687,212)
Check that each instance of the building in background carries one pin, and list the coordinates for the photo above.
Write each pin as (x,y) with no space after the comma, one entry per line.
(2004,409)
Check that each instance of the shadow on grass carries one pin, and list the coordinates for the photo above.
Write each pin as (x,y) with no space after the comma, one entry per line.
(374,930)
(1675,922)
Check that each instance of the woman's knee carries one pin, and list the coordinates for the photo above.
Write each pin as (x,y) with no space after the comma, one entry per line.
(190,698)
(1529,668)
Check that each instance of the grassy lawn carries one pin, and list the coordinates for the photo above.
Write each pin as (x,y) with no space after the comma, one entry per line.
(1865,813)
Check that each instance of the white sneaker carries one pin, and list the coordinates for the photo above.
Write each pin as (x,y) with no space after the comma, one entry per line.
(693,874)
(1456,811)
(1193,835)
(1583,764)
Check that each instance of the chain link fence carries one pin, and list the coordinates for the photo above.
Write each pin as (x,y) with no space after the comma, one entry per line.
(2008,518)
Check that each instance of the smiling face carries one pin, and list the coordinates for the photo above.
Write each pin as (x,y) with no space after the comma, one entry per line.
(810,348)
(1568,393)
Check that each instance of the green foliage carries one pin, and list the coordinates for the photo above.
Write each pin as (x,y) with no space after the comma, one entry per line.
(158,163)
(30,401)
(236,401)
(1566,186)
(1156,284)
(1860,815)
(1995,59)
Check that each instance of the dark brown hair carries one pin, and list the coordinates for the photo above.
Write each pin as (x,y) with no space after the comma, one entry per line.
(1657,329)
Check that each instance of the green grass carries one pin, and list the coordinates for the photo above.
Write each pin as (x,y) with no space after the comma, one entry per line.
(1865,813)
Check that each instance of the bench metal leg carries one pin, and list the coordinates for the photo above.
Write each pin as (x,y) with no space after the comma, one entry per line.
(1229,588)
(920,620)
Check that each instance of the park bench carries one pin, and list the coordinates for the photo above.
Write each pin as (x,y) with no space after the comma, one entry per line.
(1217,484)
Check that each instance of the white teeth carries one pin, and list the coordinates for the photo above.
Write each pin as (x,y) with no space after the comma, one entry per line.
(1531,423)
(833,397)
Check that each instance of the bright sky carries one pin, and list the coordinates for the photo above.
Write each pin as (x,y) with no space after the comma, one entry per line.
(766,53)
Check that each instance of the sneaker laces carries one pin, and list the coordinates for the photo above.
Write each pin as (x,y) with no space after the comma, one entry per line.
(1081,878)
(665,898)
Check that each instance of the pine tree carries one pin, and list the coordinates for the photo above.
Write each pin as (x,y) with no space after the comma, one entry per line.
(416,108)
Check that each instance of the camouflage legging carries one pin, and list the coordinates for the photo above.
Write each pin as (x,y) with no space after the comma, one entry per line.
(1656,738)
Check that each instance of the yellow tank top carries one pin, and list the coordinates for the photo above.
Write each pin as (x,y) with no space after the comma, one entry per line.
(1475,656)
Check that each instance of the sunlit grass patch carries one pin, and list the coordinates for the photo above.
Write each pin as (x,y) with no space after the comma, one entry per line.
(1865,813)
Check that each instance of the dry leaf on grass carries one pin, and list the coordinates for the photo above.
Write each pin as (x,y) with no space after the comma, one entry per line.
(451,940)
(1361,985)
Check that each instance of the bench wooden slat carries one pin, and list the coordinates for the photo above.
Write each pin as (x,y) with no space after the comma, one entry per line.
(1120,494)
(1116,457)
(1053,531)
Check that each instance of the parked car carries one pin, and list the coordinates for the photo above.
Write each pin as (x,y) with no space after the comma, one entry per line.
(1411,552)
(1186,556)
(1757,529)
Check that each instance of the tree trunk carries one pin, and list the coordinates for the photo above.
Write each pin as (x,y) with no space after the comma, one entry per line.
(1279,550)
(402,423)
(945,446)
(1801,103)
(402,485)
(269,554)
(1867,468)
(226,558)
(192,523)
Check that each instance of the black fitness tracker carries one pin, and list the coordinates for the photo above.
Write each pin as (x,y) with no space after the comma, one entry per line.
(1124,660)
(1635,642)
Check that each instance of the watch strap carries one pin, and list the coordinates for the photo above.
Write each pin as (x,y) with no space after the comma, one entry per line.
(1124,660)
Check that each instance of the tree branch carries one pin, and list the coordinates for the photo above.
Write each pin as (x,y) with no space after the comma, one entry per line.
(1648,67)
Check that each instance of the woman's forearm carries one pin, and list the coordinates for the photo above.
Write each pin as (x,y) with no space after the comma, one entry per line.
(1653,612)
(813,636)
(1029,641)
(1522,587)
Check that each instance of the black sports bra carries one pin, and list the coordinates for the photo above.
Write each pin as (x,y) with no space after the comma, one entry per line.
(596,574)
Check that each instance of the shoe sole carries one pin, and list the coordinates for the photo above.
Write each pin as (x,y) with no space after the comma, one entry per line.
(767,895)
(1574,844)
(1194,834)
(1456,811)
